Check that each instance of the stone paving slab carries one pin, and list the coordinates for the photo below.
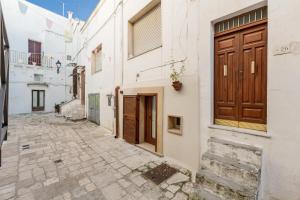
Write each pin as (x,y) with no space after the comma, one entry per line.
(94,165)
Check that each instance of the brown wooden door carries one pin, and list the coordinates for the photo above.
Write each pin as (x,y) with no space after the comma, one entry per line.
(241,75)
(131,119)
(149,128)
(75,75)
(226,82)
(253,75)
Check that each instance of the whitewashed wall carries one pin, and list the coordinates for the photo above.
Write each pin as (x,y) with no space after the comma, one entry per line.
(281,171)
(188,33)
(101,28)
(178,43)
(32,25)
(179,25)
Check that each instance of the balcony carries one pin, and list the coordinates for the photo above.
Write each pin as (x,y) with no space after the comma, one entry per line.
(25,58)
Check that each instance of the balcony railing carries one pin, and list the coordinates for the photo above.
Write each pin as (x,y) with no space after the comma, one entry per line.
(25,58)
(4,82)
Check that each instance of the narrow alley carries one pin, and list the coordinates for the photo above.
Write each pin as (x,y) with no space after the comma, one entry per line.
(48,157)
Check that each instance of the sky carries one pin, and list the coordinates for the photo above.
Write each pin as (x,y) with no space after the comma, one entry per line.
(82,9)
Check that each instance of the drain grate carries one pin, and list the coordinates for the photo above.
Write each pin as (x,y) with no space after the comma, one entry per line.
(160,173)
(26,146)
(58,161)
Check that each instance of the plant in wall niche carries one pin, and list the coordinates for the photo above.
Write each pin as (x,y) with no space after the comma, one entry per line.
(175,76)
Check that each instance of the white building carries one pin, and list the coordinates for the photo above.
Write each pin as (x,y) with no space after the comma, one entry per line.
(38,40)
(234,119)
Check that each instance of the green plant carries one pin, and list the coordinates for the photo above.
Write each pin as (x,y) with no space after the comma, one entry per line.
(175,75)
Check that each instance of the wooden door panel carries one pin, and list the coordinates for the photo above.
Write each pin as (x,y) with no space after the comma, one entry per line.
(241,75)
(226,65)
(246,75)
(130,121)
(253,83)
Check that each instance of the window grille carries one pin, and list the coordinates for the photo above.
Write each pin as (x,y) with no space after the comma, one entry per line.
(146,31)
(244,19)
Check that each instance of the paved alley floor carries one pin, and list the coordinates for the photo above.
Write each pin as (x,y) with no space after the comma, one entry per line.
(48,157)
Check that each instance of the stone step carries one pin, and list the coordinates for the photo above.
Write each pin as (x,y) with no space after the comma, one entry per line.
(225,188)
(203,194)
(244,174)
(244,153)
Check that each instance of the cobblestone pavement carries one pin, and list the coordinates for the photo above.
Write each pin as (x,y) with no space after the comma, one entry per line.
(90,164)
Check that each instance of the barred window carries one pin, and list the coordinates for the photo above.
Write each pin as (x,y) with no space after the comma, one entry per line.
(244,19)
(146,32)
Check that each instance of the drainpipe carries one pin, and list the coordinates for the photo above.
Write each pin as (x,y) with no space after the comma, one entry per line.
(114,81)
(122,44)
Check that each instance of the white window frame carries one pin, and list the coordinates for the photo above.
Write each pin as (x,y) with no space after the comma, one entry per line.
(139,16)
(97,60)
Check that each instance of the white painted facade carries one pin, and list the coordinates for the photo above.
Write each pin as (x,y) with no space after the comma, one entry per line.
(188,34)
(280,173)
(26,21)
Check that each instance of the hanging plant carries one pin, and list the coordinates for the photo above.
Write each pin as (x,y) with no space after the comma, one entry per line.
(175,77)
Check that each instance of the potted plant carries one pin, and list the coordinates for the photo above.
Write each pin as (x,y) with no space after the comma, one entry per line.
(175,76)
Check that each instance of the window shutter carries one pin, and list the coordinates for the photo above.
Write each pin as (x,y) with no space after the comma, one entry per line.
(93,60)
(147,31)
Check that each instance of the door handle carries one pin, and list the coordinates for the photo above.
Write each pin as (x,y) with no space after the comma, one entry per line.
(253,67)
(225,70)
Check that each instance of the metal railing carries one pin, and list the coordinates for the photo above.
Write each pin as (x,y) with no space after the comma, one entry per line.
(25,58)
(4,76)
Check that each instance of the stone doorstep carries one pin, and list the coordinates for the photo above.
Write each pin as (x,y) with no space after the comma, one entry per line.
(254,149)
(232,162)
(226,183)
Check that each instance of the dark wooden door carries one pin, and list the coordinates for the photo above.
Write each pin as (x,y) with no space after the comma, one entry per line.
(131,119)
(226,82)
(38,100)
(150,128)
(241,75)
(35,50)
(253,75)
(75,75)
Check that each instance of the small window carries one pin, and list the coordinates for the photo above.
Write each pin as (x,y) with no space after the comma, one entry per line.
(38,77)
(145,31)
(175,124)
(240,20)
(69,57)
(97,59)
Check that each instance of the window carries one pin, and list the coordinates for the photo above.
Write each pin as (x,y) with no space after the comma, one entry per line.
(35,53)
(244,19)
(175,125)
(97,58)
(145,31)
(38,77)
(69,57)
